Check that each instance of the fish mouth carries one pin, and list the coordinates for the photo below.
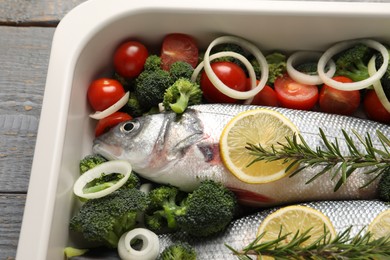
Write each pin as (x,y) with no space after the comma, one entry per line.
(110,152)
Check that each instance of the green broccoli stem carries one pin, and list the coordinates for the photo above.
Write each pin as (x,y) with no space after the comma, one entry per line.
(355,75)
(98,187)
(169,211)
(181,104)
(112,239)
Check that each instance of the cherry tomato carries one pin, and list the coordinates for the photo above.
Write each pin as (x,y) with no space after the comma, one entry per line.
(374,108)
(178,47)
(104,92)
(129,59)
(110,121)
(266,97)
(336,101)
(292,94)
(230,74)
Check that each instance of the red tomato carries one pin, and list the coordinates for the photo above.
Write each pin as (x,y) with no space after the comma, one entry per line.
(178,47)
(292,94)
(129,59)
(230,74)
(104,92)
(340,102)
(266,97)
(374,108)
(110,121)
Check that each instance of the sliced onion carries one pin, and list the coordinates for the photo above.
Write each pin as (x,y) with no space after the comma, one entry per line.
(248,65)
(339,47)
(221,54)
(378,85)
(146,187)
(161,107)
(110,167)
(220,85)
(302,56)
(150,245)
(112,109)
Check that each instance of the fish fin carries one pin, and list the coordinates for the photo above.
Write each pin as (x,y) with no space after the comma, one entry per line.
(249,197)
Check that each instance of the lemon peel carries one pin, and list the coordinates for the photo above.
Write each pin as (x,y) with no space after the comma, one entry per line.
(258,126)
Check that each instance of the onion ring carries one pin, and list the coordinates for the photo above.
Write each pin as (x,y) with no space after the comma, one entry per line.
(110,167)
(378,85)
(220,85)
(248,65)
(338,47)
(150,245)
(112,109)
(303,77)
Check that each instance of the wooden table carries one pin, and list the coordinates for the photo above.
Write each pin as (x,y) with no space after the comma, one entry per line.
(26,32)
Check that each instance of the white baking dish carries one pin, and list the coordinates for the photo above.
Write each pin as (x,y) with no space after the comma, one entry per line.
(82,48)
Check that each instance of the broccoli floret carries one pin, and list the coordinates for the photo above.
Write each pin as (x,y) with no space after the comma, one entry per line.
(165,205)
(152,63)
(153,110)
(178,251)
(132,182)
(384,186)
(157,222)
(229,47)
(90,161)
(107,180)
(309,68)
(352,63)
(182,94)
(104,220)
(181,69)
(204,212)
(277,65)
(233,48)
(133,106)
(103,182)
(150,87)
(127,83)
(208,210)
(385,80)
(256,66)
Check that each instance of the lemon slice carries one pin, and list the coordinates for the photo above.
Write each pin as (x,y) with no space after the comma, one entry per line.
(292,219)
(380,226)
(258,126)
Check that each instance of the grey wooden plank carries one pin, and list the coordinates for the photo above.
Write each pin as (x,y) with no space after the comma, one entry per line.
(43,12)
(11,208)
(24,56)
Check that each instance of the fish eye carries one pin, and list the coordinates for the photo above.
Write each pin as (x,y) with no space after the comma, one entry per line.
(130,126)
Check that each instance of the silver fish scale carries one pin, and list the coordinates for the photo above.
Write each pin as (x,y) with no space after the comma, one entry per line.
(308,123)
(343,214)
(188,147)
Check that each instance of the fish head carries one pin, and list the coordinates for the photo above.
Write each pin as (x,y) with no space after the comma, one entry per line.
(131,140)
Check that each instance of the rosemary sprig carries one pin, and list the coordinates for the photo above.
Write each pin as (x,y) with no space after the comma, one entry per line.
(343,246)
(296,151)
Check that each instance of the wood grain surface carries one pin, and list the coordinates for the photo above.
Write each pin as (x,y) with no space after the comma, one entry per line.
(26,32)
(35,12)
(22,79)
